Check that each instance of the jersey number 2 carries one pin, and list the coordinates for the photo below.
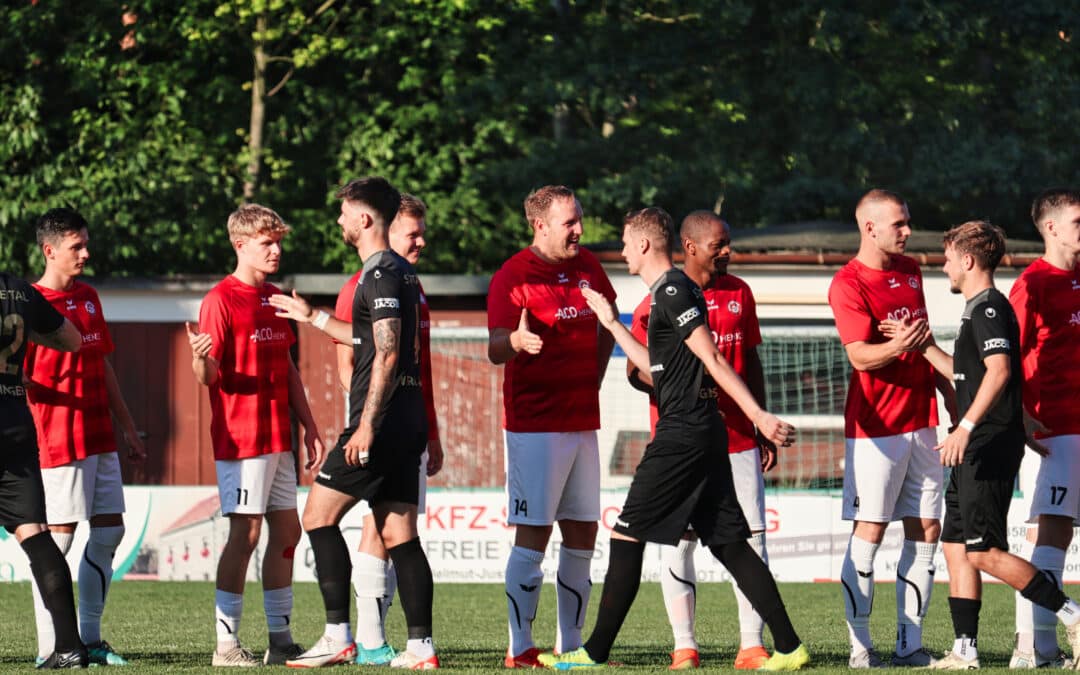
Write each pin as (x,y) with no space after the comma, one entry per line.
(11,325)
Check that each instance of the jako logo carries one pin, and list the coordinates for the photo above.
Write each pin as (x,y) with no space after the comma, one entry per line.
(995,343)
(386,303)
(688,316)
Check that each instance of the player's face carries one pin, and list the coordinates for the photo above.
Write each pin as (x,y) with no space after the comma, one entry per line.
(407,237)
(714,249)
(69,254)
(1066,227)
(261,253)
(351,221)
(954,269)
(631,252)
(562,229)
(891,226)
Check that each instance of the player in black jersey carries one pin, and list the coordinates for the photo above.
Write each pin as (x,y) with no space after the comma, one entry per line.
(377,457)
(26,315)
(985,448)
(685,475)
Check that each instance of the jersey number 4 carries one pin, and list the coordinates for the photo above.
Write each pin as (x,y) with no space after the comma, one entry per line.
(521,507)
(1057,494)
(11,325)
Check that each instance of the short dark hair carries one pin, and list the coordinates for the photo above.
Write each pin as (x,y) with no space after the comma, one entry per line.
(655,223)
(539,201)
(1051,200)
(55,223)
(879,195)
(376,192)
(980,240)
(696,223)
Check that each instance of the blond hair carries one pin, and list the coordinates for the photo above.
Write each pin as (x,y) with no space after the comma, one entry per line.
(252,220)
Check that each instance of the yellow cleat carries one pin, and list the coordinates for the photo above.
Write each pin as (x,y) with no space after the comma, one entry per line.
(579,658)
(793,661)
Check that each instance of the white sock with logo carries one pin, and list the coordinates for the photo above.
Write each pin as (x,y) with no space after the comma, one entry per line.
(678,581)
(965,648)
(857,582)
(914,585)
(369,588)
(1025,620)
(95,577)
(1050,560)
(228,610)
(524,579)
(573,584)
(46,636)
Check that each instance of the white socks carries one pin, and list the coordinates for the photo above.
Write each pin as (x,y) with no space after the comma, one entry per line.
(95,576)
(339,632)
(369,587)
(46,637)
(228,608)
(750,622)
(1025,620)
(278,605)
(914,584)
(857,582)
(965,648)
(678,581)
(1044,623)
(573,584)
(523,581)
(423,648)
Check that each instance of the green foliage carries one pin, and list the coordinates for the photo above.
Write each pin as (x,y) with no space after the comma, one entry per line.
(775,111)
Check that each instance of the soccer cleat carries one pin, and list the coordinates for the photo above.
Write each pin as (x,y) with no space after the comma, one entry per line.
(792,661)
(1028,660)
(867,658)
(410,661)
(526,659)
(751,658)
(76,658)
(278,655)
(326,652)
(237,657)
(953,662)
(101,654)
(380,656)
(920,658)
(579,658)
(685,659)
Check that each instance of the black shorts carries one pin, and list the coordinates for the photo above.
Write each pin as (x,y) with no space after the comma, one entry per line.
(391,475)
(684,480)
(979,493)
(22,496)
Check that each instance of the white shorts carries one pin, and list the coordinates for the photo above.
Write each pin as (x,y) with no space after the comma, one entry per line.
(421,495)
(257,485)
(1057,483)
(83,489)
(552,476)
(892,477)
(750,486)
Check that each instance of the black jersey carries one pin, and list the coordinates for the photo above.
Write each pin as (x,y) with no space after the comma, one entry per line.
(988,327)
(22,310)
(685,398)
(388,289)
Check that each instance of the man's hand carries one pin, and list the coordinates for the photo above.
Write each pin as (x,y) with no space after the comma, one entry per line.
(523,339)
(774,429)
(768,452)
(201,343)
(953,447)
(358,447)
(605,313)
(435,457)
(1033,426)
(292,307)
(909,335)
(136,447)
(316,451)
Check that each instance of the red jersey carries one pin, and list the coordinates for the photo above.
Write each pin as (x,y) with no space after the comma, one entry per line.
(343,311)
(68,397)
(249,402)
(899,397)
(734,326)
(557,390)
(1047,304)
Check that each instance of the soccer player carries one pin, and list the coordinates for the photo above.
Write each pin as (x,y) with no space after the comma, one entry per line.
(540,327)
(377,458)
(373,578)
(80,467)
(241,353)
(684,478)
(891,471)
(1047,305)
(25,315)
(733,324)
(985,448)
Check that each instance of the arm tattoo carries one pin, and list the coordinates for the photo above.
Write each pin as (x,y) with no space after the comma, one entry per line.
(387,335)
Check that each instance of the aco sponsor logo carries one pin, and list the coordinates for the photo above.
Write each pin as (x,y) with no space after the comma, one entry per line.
(571,312)
(902,313)
(266,334)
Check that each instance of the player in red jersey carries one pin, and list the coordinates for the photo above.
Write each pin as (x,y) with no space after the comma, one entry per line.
(1046,299)
(79,464)
(373,578)
(540,326)
(732,321)
(241,353)
(891,471)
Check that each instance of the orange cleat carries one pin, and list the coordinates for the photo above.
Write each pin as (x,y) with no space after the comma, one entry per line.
(685,659)
(751,658)
(526,659)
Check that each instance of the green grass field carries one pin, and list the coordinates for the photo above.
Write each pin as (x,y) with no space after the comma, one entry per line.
(168,626)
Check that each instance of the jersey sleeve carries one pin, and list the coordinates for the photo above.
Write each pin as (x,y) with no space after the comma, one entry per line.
(853,321)
(1021,302)
(990,328)
(343,305)
(382,290)
(214,320)
(679,308)
(42,317)
(504,301)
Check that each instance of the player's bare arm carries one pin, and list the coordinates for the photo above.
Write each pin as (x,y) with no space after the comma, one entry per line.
(203,365)
(771,427)
(909,336)
(435,456)
(299,404)
(296,308)
(386,335)
(344,353)
(637,353)
(1033,426)
(119,409)
(605,344)
(755,380)
(66,338)
(504,344)
(993,385)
